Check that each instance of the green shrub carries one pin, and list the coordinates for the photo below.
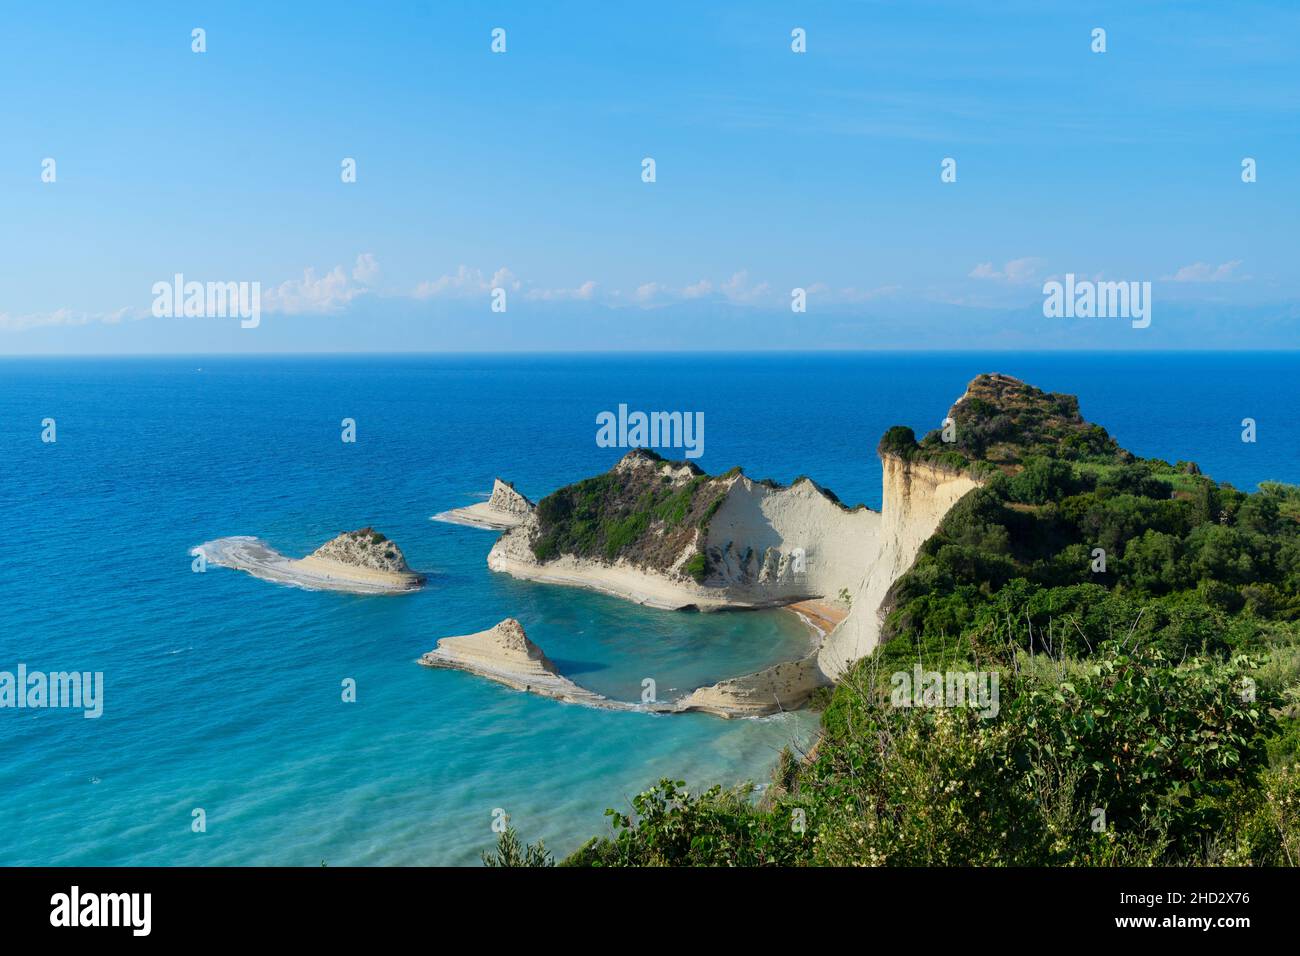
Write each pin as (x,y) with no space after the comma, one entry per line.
(670,826)
(510,852)
(1124,759)
(899,441)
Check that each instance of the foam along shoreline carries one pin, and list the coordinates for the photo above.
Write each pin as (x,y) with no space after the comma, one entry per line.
(316,572)
(504,509)
(505,654)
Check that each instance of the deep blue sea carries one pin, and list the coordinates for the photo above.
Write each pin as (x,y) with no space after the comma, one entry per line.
(223,692)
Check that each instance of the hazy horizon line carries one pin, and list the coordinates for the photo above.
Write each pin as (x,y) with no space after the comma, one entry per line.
(748,351)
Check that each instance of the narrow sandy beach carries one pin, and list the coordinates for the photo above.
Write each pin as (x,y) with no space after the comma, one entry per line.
(821,616)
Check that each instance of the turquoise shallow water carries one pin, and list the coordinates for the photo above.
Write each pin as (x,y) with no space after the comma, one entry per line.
(223,692)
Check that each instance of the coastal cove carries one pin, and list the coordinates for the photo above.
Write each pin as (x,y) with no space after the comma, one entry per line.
(223,692)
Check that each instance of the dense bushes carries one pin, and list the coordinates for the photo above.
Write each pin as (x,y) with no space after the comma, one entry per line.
(1180,567)
(1003,420)
(1129,758)
(611,516)
(899,441)
(669,826)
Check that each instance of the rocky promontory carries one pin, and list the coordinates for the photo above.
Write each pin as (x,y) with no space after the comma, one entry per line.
(668,535)
(665,534)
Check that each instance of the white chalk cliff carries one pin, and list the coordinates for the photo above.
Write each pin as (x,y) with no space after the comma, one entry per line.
(667,535)
(768,546)
(504,653)
(916,498)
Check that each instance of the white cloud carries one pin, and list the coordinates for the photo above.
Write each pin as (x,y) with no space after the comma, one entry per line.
(366,271)
(583,293)
(33,320)
(335,291)
(1204,272)
(649,292)
(1016,272)
(317,295)
(466,282)
(739,289)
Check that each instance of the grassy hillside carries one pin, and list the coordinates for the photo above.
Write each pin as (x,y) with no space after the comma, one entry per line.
(644,514)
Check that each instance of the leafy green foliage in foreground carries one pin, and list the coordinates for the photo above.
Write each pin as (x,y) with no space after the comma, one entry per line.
(510,852)
(1173,756)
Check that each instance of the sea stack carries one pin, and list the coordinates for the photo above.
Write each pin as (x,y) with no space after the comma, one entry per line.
(505,509)
(506,501)
(504,653)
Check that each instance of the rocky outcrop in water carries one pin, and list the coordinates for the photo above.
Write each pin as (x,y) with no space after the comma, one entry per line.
(364,548)
(504,653)
(503,510)
(781,687)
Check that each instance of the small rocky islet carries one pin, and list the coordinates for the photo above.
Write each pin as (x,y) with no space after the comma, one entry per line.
(360,562)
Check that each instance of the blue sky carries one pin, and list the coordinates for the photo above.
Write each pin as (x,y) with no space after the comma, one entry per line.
(522,170)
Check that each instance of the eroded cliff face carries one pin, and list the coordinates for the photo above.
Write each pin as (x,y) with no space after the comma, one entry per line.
(504,647)
(663,585)
(916,497)
(508,501)
(764,545)
(703,542)
(671,536)
(784,686)
(783,544)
